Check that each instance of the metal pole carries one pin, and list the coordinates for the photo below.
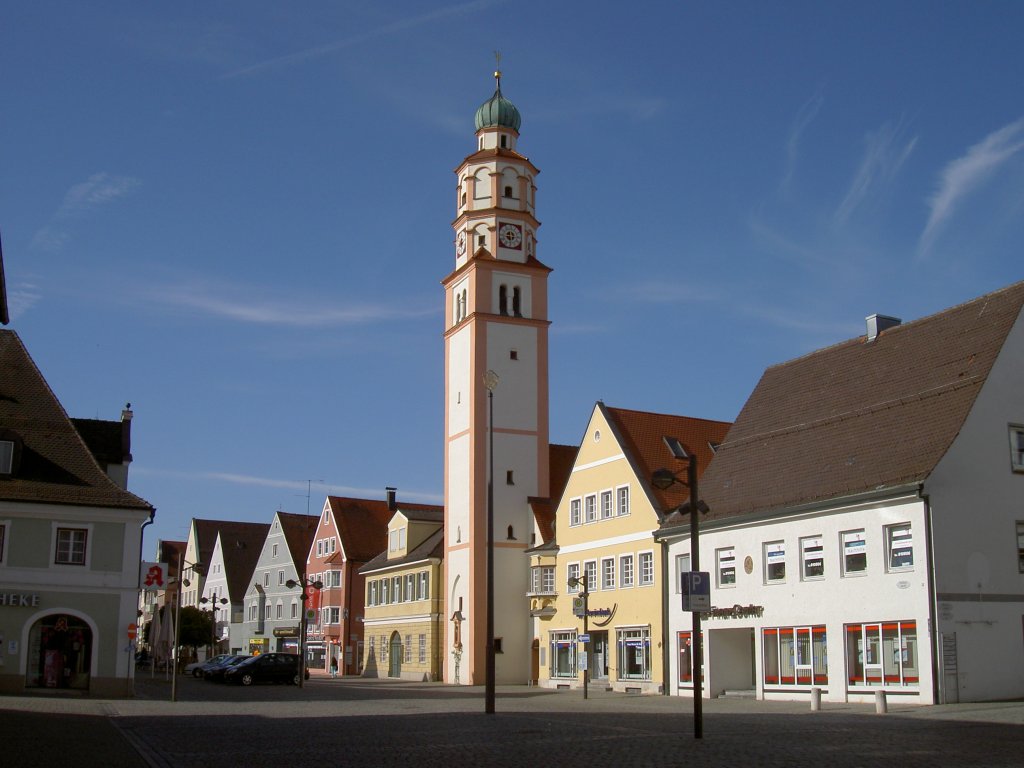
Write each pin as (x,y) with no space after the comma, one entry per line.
(698,645)
(177,629)
(489,672)
(302,634)
(586,632)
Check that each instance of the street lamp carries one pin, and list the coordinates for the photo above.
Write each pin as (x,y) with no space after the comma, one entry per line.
(584,595)
(663,479)
(213,601)
(198,568)
(306,584)
(491,382)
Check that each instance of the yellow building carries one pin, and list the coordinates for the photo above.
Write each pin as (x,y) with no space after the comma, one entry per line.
(404,599)
(604,555)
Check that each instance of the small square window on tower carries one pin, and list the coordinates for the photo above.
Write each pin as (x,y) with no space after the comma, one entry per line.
(510,477)
(513,354)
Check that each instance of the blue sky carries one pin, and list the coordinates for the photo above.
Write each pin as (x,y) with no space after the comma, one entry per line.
(237,215)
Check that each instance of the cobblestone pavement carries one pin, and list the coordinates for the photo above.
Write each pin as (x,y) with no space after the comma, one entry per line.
(390,723)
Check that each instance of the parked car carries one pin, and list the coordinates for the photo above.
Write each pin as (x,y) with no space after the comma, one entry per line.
(196,667)
(266,668)
(216,672)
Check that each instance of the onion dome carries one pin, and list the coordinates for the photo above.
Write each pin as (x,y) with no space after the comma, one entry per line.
(497,111)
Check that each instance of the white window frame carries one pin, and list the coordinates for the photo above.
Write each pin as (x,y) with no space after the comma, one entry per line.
(682,566)
(850,547)
(1017,447)
(892,543)
(725,559)
(423,585)
(590,571)
(622,500)
(607,510)
(57,527)
(423,649)
(273,551)
(645,568)
(812,548)
(572,571)
(608,573)
(627,572)
(774,554)
(575,512)
(590,508)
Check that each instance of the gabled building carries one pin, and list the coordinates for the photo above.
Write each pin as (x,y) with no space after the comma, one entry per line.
(605,547)
(232,562)
(866,530)
(70,540)
(349,534)
(273,610)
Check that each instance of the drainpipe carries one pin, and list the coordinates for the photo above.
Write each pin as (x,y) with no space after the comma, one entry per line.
(666,647)
(138,589)
(933,626)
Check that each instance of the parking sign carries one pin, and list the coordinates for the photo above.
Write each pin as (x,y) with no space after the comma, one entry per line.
(696,591)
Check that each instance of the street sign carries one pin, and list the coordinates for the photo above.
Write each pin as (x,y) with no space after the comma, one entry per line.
(578,607)
(133,630)
(311,614)
(583,638)
(696,591)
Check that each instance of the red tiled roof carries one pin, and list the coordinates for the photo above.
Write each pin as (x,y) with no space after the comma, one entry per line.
(859,416)
(55,466)
(299,531)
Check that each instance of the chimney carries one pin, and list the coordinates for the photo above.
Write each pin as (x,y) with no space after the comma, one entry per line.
(126,433)
(392,504)
(879,323)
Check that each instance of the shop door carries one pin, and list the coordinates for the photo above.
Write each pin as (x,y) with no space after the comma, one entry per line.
(866,655)
(60,653)
(395,656)
(599,656)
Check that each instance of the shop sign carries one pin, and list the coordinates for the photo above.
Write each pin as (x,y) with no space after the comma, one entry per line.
(735,612)
(15,600)
(286,632)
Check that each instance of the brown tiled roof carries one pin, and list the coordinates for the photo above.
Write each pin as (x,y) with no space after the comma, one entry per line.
(103,439)
(241,544)
(643,436)
(168,552)
(299,531)
(56,466)
(363,524)
(860,416)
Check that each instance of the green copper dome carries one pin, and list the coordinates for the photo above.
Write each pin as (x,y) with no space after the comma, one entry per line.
(498,111)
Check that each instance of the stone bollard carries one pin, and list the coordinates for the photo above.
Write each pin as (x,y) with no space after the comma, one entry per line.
(815,699)
(881,707)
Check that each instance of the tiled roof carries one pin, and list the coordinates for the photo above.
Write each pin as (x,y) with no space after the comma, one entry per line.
(56,466)
(299,531)
(642,436)
(240,544)
(363,524)
(560,461)
(860,416)
(103,439)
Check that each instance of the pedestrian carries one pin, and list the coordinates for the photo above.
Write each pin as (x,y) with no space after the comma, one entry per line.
(334,666)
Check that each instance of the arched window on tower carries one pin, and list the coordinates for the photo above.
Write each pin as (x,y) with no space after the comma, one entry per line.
(508,191)
(503,300)
(517,297)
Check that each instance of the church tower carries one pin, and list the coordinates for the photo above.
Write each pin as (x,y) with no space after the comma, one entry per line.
(496,319)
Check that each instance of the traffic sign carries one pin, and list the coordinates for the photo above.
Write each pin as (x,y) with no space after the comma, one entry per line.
(578,607)
(696,591)
(133,630)
(583,638)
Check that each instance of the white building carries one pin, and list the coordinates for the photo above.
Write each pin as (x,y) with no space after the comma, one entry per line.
(866,524)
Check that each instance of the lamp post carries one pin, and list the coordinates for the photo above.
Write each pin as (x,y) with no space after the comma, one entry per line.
(177,619)
(305,584)
(213,601)
(491,382)
(585,596)
(662,479)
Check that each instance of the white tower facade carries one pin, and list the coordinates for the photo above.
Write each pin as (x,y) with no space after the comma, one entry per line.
(496,319)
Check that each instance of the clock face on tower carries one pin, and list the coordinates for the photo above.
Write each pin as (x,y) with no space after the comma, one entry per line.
(510,236)
(460,243)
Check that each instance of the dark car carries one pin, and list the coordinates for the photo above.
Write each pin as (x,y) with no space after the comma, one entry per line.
(265,668)
(216,671)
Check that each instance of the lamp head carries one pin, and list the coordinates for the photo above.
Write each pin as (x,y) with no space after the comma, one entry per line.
(663,479)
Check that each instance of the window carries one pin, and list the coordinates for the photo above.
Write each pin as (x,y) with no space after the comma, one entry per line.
(795,656)
(497,645)
(686,659)
(646,568)
(372,593)
(408,649)
(606,504)
(590,574)
(626,571)
(1017,447)
(812,558)
(423,650)
(899,547)
(634,646)
(573,575)
(503,300)
(280,578)
(266,579)
(3,538)
(510,478)
(608,573)
(424,593)
(590,505)
(508,191)
(334,543)
(563,654)
(517,301)
(71,546)
(574,512)
(383,593)
(334,614)
(882,653)
(269,611)
(543,579)
(396,589)
(682,566)
(6,457)
(393,541)
(1020,547)
(775,562)
(410,586)
(280,611)
(855,552)
(623,499)
(725,560)
(273,550)
(319,548)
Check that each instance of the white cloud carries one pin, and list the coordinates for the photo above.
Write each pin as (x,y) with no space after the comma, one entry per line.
(387,29)
(21,298)
(965,174)
(804,117)
(293,313)
(80,200)
(885,151)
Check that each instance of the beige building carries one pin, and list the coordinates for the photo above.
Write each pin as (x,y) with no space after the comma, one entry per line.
(604,556)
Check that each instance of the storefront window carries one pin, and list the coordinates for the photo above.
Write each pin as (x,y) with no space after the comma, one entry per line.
(883,653)
(634,653)
(563,654)
(686,659)
(795,656)
(60,653)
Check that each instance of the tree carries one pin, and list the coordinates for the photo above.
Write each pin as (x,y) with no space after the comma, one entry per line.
(196,628)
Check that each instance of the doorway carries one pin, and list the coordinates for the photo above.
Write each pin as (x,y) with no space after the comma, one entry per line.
(395,656)
(60,653)
(599,655)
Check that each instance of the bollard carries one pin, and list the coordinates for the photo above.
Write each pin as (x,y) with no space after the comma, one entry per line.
(880,705)
(815,699)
